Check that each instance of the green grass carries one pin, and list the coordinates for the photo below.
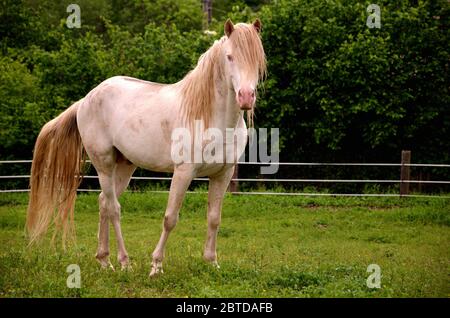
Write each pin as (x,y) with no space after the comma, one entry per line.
(267,246)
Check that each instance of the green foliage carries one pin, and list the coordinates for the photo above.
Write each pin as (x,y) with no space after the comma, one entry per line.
(18,91)
(134,15)
(14,24)
(336,85)
(161,54)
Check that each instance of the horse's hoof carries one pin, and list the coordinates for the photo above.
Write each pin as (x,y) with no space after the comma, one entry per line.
(125,264)
(107,265)
(103,259)
(126,267)
(155,273)
(212,259)
(156,270)
(215,265)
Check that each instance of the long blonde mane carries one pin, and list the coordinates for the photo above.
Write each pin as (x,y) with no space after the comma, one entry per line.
(198,87)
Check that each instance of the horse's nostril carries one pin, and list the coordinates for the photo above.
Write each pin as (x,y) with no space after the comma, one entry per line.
(253,94)
(240,93)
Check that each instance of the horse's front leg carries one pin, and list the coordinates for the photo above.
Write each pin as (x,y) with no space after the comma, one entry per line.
(217,187)
(181,179)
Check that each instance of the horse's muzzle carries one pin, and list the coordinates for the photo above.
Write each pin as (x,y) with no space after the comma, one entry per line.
(246,98)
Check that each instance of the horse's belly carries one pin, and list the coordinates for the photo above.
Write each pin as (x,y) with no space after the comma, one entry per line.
(152,164)
(211,169)
(148,148)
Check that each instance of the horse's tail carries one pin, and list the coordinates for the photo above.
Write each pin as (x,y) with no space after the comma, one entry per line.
(56,173)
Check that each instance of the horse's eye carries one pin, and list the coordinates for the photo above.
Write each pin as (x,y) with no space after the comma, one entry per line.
(229,57)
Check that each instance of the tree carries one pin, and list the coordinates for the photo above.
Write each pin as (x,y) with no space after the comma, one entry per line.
(336,86)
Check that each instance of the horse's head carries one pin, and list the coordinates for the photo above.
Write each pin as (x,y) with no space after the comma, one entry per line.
(245,61)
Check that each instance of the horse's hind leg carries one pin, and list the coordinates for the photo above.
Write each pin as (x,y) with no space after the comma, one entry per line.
(104,200)
(114,175)
(123,172)
(102,254)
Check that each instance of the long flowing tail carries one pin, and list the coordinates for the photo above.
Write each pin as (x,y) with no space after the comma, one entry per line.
(56,173)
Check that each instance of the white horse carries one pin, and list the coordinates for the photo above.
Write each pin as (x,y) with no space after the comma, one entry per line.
(126,123)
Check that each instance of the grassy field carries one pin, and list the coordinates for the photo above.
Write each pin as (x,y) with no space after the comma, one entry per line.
(267,247)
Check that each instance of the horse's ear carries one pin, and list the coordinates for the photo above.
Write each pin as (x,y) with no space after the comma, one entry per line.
(258,25)
(229,27)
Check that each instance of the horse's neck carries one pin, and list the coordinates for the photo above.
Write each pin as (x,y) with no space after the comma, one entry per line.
(226,113)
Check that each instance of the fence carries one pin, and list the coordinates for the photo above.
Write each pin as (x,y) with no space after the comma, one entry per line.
(404,180)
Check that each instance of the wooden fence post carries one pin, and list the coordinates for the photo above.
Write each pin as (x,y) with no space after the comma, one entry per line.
(234,185)
(207,12)
(405,172)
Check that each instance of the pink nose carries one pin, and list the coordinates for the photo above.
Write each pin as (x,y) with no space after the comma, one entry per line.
(246,98)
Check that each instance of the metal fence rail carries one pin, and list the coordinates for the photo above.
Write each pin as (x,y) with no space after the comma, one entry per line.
(270,180)
(282,180)
(435,165)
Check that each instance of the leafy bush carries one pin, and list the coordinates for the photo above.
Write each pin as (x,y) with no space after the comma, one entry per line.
(336,86)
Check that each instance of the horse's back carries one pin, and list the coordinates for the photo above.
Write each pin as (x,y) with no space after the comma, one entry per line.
(132,115)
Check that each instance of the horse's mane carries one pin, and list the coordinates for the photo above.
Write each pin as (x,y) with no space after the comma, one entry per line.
(198,86)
